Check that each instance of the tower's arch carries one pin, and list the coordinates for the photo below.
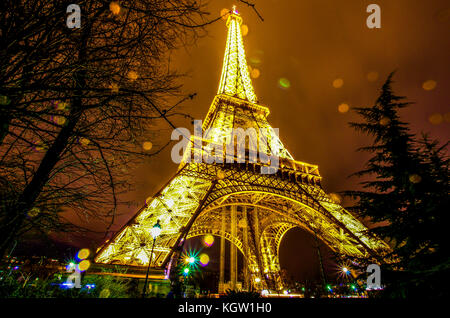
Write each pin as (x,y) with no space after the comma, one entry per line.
(262,219)
(278,207)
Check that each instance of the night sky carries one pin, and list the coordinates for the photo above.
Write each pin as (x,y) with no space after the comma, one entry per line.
(329,56)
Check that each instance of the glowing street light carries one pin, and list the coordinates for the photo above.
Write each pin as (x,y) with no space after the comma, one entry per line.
(154,232)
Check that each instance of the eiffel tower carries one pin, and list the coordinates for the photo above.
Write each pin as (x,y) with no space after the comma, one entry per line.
(238,201)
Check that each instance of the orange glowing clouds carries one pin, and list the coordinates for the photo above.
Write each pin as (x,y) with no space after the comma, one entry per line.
(415,178)
(224,13)
(147,145)
(204,259)
(338,83)
(208,240)
(132,76)
(429,85)
(284,83)
(372,76)
(436,119)
(255,73)
(244,29)
(343,108)
(114,7)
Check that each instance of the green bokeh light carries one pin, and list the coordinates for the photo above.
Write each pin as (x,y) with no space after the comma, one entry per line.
(284,83)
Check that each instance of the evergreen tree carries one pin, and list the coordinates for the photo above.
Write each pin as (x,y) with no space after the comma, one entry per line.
(405,192)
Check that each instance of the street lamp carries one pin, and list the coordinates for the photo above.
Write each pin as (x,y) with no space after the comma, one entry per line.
(154,232)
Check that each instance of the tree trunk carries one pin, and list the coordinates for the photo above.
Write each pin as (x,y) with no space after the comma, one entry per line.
(18,212)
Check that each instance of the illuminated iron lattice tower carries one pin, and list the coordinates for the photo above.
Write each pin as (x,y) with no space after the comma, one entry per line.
(235,201)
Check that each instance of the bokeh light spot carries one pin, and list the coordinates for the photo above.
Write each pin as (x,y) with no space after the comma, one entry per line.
(208,240)
(343,108)
(244,29)
(429,85)
(204,259)
(220,175)
(384,121)
(105,293)
(40,146)
(190,259)
(33,212)
(224,13)
(114,7)
(114,88)
(132,75)
(338,82)
(255,73)
(415,178)
(83,253)
(372,76)
(84,265)
(147,145)
(84,141)
(59,120)
(255,61)
(284,83)
(60,105)
(435,119)
(4,100)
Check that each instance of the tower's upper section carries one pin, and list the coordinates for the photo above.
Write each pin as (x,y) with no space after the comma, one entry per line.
(235,80)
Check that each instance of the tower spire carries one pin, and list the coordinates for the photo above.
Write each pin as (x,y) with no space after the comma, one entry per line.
(235,79)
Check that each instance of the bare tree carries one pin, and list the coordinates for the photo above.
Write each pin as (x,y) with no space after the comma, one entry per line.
(76,105)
